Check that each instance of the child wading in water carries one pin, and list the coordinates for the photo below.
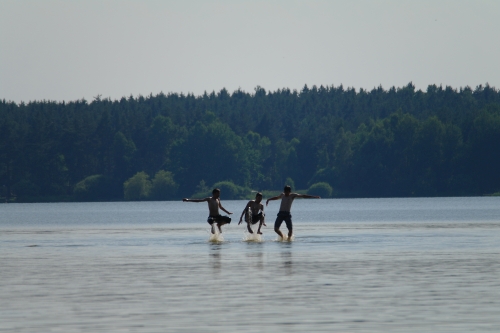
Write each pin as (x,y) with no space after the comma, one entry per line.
(213,208)
(286,205)
(252,209)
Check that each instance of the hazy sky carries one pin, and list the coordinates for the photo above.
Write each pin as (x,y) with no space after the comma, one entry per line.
(68,50)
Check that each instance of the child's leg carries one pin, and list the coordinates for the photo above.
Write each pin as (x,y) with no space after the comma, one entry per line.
(289,225)
(261,222)
(223,220)
(277,225)
(220,224)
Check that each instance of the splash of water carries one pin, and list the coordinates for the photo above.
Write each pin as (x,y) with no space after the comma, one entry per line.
(255,237)
(215,237)
(285,238)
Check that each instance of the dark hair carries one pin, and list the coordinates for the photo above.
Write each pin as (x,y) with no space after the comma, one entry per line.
(258,194)
(215,190)
(288,188)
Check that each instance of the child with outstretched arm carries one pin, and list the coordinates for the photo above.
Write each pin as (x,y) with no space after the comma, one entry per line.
(287,198)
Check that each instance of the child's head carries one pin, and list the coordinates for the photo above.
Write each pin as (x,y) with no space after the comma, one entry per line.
(216,192)
(258,197)
(287,189)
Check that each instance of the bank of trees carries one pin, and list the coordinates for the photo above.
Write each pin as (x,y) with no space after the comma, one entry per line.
(342,142)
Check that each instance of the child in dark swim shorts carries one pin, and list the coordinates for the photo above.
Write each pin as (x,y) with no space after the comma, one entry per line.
(286,205)
(213,208)
(254,211)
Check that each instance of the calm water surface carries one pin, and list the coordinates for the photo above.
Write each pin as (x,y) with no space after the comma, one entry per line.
(358,265)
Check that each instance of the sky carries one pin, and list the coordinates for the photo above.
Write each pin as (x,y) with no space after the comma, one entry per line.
(68,50)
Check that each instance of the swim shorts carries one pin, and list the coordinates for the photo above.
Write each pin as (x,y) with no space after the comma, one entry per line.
(218,218)
(256,218)
(283,216)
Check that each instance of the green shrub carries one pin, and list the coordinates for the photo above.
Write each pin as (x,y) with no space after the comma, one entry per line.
(266,194)
(322,189)
(163,186)
(231,191)
(137,187)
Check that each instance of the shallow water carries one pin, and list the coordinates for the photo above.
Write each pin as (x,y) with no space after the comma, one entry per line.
(358,265)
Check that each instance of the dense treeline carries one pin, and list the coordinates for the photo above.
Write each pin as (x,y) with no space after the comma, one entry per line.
(396,142)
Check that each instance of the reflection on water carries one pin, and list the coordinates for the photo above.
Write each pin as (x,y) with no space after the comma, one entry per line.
(256,258)
(215,258)
(385,265)
(287,261)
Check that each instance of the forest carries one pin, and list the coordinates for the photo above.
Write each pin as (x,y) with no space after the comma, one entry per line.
(332,141)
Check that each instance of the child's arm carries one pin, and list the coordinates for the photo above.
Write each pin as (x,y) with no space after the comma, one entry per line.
(220,206)
(274,198)
(243,212)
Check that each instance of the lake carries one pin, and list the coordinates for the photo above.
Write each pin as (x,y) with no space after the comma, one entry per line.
(355,265)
